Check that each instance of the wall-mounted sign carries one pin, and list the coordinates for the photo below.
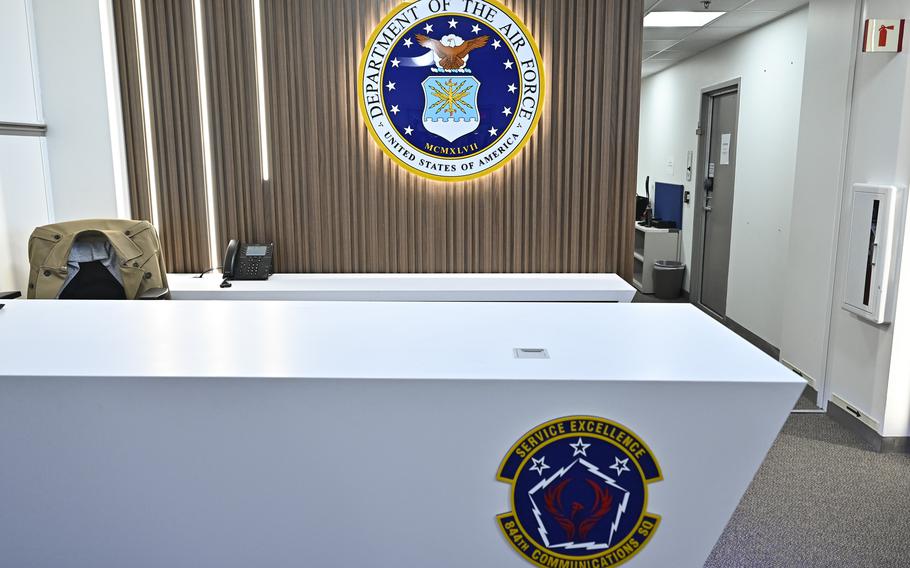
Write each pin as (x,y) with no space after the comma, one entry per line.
(579,493)
(883,36)
(451,89)
(725,148)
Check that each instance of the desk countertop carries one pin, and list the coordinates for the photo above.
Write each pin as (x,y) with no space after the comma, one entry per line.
(375,340)
(409,287)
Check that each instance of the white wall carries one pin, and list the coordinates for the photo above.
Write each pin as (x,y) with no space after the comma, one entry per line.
(74,93)
(823,127)
(18,96)
(769,62)
(7,279)
(869,365)
(24,195)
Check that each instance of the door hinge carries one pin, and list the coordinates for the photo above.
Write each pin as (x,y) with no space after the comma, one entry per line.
(699,130)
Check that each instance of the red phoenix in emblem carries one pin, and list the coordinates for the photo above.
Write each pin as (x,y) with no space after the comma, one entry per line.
(574,521)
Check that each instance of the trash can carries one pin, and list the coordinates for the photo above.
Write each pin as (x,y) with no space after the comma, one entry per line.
(668,278)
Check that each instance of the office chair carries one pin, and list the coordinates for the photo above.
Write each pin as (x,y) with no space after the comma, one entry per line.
(97,259)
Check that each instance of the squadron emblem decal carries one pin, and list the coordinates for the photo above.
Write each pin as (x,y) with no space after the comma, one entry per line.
(579,493)
(451,89)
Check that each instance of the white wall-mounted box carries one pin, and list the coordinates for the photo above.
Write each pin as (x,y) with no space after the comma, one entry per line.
(871,253)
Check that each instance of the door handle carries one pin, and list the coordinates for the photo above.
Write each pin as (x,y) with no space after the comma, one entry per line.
(709,190)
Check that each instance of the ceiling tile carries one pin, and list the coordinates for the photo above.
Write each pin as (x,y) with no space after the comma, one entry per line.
(719,34)
(649,4)
(674,57)
(774,5)
(664,47)
(658,44)
(667,33)
(669,55)
(744,19)
(696,5)
(696,44)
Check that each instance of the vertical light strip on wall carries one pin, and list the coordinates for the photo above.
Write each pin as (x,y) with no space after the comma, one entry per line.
(260,91)
(202,78)
(114,110)
(146,113)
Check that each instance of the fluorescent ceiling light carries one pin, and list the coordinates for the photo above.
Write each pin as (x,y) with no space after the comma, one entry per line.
(680,19)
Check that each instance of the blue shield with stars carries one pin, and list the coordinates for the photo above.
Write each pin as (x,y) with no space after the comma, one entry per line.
(450,105)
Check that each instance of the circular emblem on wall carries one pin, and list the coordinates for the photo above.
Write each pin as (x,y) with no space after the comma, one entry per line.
(451,89)
(579,493)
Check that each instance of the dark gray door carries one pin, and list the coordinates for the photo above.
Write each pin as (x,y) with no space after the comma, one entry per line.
(717,205)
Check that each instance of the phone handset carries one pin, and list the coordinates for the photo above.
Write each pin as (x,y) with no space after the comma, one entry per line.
(230,258)
(230,261)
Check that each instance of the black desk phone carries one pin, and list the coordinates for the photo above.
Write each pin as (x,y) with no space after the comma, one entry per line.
(248,261)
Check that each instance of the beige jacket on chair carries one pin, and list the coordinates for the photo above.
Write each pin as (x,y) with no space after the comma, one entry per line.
(136,244)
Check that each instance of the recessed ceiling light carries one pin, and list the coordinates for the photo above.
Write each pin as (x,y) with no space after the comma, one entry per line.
(680,19)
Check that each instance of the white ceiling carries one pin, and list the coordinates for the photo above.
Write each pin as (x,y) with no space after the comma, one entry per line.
(664,47)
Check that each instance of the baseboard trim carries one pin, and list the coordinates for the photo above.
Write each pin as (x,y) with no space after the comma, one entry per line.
(877,442)
(809,379)
(810,393)
(742,332)
(809,390)
(896,445)
(854,411)
(753,339)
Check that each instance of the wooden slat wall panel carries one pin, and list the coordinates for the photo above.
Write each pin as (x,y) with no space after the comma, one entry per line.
(242,208)
(175,123)
(176,133)
(564,204)
(131,97)
(335,202)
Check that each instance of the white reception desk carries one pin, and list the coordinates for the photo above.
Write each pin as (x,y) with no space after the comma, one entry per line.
(330,434)
(408,288)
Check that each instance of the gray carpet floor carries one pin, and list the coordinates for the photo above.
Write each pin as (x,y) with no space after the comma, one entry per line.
(821,498)
(806,401)
(640,298)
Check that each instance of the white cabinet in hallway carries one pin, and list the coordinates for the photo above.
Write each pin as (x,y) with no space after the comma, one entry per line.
(652,244)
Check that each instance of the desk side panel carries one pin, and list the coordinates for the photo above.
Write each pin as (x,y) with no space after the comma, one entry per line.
(244,472)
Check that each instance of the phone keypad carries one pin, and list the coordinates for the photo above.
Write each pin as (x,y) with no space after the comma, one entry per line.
(254,267)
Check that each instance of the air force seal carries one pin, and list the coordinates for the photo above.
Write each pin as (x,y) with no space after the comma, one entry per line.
(579,493)
(451,89)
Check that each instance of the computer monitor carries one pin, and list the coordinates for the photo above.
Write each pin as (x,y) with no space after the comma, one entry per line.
(668,202)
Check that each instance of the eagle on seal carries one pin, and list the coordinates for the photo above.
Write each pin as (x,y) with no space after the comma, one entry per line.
(451,57)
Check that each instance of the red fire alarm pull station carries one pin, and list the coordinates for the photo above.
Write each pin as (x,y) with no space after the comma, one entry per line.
(883,36)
